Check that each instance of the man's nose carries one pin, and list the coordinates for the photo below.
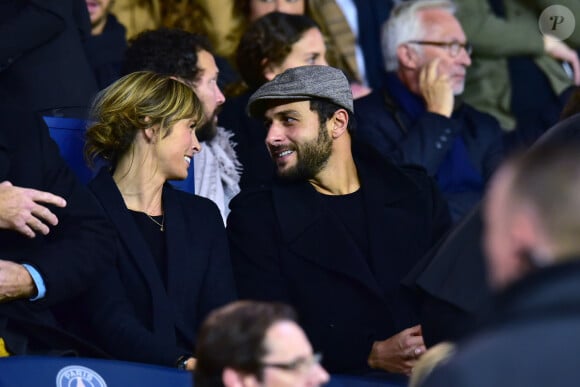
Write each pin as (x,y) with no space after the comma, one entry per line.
(275,134)
(464,58)
(220,97)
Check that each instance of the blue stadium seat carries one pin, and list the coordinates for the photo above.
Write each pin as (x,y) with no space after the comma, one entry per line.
(33,371)
(68,133)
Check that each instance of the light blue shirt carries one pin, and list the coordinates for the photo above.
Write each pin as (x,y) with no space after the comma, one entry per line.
(38,281)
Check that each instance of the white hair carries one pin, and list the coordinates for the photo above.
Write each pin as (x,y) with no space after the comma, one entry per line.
(404,24)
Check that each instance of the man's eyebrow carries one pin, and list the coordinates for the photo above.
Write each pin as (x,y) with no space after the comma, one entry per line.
(286,113)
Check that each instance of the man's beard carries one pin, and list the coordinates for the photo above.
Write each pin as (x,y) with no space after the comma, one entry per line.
(208,130)
(311,157)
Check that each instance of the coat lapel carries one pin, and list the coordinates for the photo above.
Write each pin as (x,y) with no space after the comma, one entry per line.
(183,266)
(384,215)
(105,189)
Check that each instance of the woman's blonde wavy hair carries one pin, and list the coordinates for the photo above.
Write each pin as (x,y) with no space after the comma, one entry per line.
(135,102)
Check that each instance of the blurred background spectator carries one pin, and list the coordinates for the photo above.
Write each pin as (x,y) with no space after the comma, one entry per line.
(138,15)
(417,116)
(351,28)
(518,74)
(43,63)
(107,43)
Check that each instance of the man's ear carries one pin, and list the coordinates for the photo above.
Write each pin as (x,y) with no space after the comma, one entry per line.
(528,234)
(339,123)
(233,378)
(407,56)
(524,231)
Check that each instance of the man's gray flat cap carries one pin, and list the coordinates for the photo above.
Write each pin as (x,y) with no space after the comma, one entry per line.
(303,83)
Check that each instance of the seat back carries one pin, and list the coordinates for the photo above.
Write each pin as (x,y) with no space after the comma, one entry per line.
(69,133)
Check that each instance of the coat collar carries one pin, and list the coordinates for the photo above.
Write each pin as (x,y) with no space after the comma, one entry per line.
(550,290)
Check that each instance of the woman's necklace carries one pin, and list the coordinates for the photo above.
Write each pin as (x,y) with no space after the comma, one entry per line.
(161,225)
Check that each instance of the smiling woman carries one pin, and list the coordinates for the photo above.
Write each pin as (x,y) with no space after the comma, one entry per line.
(170,269)
(137,118)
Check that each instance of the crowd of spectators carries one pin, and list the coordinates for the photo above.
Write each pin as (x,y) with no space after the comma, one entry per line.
(346,167)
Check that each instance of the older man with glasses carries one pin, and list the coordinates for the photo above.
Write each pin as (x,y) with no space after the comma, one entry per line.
(250,343)
(417,116)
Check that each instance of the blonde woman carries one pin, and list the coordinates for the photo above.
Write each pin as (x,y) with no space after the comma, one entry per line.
(172,265)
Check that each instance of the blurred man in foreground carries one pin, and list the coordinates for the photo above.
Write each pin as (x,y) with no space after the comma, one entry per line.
(532,218)
(249,343)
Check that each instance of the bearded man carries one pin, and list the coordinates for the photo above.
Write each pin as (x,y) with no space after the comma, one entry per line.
(337,230)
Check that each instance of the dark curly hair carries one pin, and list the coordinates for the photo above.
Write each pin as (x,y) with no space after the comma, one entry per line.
(166,51)
(269,40)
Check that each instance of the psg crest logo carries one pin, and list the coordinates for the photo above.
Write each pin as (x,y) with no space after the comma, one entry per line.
(78,376)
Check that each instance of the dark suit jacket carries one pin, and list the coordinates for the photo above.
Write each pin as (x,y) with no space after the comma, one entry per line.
(287,246)
(72,255)
(384,125)
(134,316)
(43,63)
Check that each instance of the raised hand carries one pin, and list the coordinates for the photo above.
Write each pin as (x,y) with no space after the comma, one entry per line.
(20,209)
(436,89)
(560,50)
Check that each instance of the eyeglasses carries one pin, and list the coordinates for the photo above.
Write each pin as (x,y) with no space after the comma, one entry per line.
(453,47)
(301,364)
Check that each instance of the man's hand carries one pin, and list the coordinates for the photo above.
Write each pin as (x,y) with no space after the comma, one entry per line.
(20,209)
(399,353)
(560,50)
(15,282)
(436,89)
